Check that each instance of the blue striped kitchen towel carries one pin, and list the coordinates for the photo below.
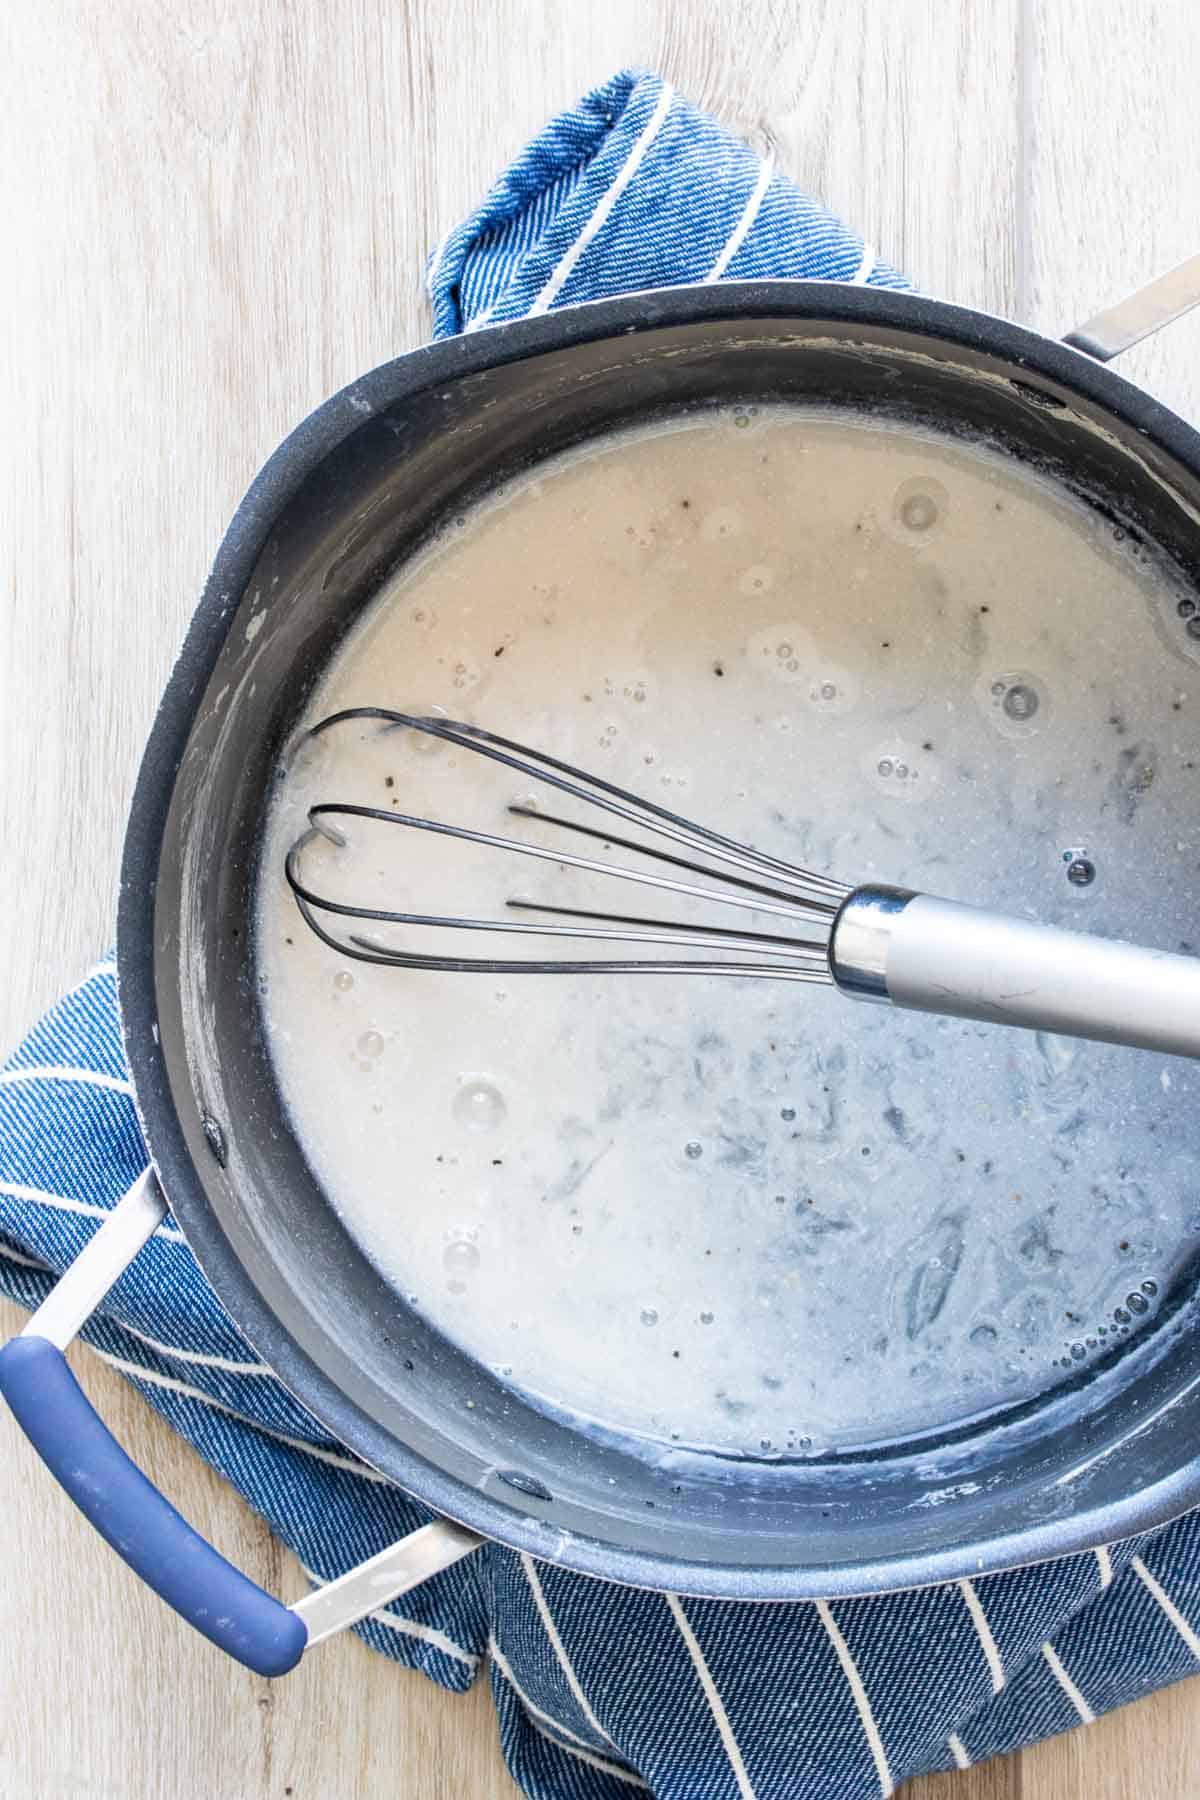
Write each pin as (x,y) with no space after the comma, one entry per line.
(601,1691)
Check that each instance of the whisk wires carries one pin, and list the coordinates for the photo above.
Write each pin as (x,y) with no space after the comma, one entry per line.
(736,876)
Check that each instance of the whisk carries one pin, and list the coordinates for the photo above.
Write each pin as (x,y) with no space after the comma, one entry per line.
(872,942)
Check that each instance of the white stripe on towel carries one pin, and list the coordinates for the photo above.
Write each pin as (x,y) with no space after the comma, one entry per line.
(191,1356)
(427,1634)
(958,1751)
(26,1262)
(545,300)
(171,1386)
(200,1359)
(1086,1715)
(559,1648)
(593,1761)
(862,274)
(64,1072)
(1169,1607)
(715,1704)
(1104,1564)
(85,1208)
(984,1632)
(737,236)
(855,1681)
(576,1748)
(498,1657)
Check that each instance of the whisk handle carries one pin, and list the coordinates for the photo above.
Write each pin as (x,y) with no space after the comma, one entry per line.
(941,956)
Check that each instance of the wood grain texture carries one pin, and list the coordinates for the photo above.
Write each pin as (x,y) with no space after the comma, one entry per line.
(1114,186)
(216,214)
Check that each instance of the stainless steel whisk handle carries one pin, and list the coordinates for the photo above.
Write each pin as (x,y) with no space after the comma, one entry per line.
(941,956)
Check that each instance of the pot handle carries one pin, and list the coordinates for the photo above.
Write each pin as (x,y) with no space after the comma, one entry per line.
(139,1523)
(1140,314)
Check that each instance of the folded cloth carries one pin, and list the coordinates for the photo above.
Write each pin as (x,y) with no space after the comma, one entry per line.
(633,188)
(600,1690)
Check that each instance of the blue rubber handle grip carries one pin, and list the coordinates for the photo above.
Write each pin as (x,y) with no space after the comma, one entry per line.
(130,1514)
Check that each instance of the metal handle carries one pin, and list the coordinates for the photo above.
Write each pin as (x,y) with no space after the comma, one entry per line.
(1119,327)
(144,1529)
(940,956)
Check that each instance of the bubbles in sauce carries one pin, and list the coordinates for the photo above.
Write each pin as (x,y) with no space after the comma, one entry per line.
(461,1257)
(833,691)
(895,771)
(1016,703)
(479,1105)
(919,507)
(461,1260)
(1021,701)
(757,579)
(864,649)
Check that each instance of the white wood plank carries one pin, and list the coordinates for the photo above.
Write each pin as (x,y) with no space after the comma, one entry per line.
(1114,178)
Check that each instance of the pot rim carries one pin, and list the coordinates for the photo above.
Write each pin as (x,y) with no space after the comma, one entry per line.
(273,487)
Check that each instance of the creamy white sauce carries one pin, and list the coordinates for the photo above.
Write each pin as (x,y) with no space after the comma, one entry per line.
(753,1215)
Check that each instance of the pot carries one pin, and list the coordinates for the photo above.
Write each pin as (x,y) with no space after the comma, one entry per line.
(349,495)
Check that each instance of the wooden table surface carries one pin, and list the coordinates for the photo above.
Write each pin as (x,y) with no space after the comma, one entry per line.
(217,213)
